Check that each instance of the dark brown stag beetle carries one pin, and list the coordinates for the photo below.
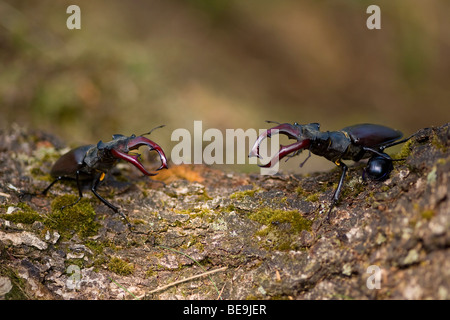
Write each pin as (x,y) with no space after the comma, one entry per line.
(89,164)
(355,142)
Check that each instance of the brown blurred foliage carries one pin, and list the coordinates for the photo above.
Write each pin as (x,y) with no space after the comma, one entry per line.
(233,64)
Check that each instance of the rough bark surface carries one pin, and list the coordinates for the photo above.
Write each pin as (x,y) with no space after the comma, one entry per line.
(264,237)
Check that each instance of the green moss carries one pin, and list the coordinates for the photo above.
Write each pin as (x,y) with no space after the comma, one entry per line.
(280,228)
(271,217)
(427,214)
(73,218)
(78,218)
(300,191)
(405,151)
(239,195)
(46,154)
(352,188)
(230,208)
(96,246)
(99,263)
(76,262)
(199,246)
(438,143)
(194,213)
(138,221)
(37,172)
(204,196)
(307,195)
(312,197)
(120,266)
(24,215)
(150,273)
(17,291)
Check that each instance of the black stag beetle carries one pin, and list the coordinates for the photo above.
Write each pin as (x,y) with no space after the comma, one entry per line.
(355,142)
(89,164)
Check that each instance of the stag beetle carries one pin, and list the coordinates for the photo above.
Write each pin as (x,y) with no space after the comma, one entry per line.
(90,163)
(355,142)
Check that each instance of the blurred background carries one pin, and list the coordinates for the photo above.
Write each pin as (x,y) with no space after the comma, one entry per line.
(231,63)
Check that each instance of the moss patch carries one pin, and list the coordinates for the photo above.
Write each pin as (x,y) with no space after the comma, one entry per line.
(69,218)
(405,151)
(281,228)
(24,215)
(312,197)
(309,196)
(352,188)
(239,195)
(427,214)
(17,291)
(438,143)
(270,217)
(120,266)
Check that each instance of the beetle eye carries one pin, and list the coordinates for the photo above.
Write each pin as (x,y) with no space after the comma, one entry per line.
(101,145)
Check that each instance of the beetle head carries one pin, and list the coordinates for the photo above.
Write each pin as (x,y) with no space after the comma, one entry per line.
(293,131)
(121,145)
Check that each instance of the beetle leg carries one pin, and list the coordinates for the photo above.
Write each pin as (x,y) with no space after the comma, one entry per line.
(110,205)
(304,161)
(396,143)
(51,185)
(337,192)
(61,178)
(80,192)
(379,153)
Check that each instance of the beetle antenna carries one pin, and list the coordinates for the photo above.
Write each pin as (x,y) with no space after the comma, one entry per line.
(270,121)
(158,127)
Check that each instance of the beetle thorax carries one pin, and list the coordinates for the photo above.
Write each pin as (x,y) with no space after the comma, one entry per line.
(331,145)
(99,160)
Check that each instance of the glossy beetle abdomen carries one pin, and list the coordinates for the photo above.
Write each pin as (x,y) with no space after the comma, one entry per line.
(372,135)
(70,162)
